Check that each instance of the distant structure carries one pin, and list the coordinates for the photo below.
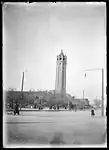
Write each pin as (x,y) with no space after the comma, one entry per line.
(60,83)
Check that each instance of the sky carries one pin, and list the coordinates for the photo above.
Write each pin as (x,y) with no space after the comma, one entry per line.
(34,34)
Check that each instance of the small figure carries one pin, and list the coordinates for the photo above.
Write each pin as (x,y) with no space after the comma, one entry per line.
(50,107)
(54,107)
(57,107)
(16,109)
(65,107)
(92,112)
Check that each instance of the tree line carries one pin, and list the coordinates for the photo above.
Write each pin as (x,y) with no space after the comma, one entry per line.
(41,99)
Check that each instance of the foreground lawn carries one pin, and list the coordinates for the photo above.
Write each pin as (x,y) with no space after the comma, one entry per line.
(50,128)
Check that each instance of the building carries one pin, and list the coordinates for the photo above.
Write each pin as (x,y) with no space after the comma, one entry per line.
(60,83)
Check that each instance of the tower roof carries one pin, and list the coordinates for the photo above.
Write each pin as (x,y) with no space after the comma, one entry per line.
(61,54)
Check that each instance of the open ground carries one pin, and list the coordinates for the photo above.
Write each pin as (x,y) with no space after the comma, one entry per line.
(41,128)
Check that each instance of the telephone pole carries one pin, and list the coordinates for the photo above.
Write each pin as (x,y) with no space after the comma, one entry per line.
(22,82)
(22,87)
(83,95)
(102,92)
(102,71)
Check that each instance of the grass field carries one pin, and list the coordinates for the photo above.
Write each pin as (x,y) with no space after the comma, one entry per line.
(55,128)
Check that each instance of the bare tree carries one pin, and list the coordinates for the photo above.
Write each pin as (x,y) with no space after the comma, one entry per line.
(97,103)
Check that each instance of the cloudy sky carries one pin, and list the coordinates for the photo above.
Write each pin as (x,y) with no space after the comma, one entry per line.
(34,34)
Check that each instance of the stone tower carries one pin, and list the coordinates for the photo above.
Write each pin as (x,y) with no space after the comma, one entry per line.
(60,83)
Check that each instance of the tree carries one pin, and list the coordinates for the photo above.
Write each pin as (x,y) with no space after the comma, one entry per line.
(86,101)
(97,103)
(10,97)
(37,97)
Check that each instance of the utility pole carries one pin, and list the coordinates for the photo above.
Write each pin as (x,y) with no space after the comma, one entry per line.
(102,92)
(12,99)
(22,81)
(102,71)
(83,95)
(22,86)
(83,99)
